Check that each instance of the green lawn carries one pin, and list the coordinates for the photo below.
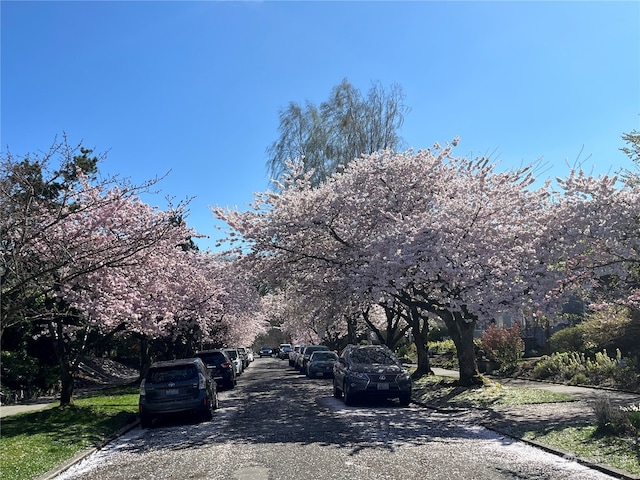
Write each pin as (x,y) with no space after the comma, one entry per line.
(33,443)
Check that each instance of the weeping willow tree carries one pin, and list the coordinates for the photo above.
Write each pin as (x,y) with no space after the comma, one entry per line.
(345,126)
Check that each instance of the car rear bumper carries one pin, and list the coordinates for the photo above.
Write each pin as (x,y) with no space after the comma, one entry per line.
(174,406)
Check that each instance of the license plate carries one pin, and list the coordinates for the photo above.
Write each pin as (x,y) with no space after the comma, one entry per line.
(383,386)
(319,374)
(171,391)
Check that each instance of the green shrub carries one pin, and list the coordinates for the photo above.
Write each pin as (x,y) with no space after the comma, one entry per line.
(442,346)
(567,340)
(579,368)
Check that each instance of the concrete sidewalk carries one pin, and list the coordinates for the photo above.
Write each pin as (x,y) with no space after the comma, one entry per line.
(6,410)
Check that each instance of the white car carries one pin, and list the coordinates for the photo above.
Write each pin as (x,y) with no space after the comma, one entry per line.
(236,359)
(250,354)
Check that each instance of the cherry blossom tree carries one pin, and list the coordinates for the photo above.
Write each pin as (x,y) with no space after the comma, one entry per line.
(93,257)
(597,233)
(434,232)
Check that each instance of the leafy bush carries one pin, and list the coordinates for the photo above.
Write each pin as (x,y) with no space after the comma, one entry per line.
(504,345)
(611,329)
(568,339)
(438,331)
(24,377)
(443,346)
(579,369)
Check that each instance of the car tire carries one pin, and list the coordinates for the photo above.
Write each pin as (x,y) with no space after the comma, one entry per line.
(348,394)
(145,420)
(337,393)
(230,384)
(405,399)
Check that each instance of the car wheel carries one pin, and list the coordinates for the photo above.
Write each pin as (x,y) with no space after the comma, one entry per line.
(405,399)
(348,394)
(337,393)
(145,420)
(230,384)
(216,402)
(208,413)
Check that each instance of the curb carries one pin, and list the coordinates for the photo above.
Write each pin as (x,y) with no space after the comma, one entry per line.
(609,470)
(81,455)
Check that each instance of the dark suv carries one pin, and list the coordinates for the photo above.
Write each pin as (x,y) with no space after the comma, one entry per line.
(177,386)
(370,370)
(220,367)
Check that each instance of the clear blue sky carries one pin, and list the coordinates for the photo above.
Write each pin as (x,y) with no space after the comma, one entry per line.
(194,88)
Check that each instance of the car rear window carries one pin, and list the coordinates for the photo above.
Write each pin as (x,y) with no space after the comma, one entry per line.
(172,374)
(322,356)
(213,358)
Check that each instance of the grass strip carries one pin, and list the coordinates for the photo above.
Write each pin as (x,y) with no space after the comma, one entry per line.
(443,392)
(35,442)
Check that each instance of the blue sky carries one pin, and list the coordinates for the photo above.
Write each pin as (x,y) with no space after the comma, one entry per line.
(194,88)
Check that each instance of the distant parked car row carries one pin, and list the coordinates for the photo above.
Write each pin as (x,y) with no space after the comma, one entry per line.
(190,384)
(359,371)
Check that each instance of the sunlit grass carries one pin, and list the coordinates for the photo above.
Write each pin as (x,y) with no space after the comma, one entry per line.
(35,442)
(443,392)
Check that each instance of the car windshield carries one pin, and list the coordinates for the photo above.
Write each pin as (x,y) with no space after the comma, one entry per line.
(324,357)
(377,356)
(172,374)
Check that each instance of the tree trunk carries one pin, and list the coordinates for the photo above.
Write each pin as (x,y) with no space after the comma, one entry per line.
(420,331)
(461,330)
(145,362)
(66,373)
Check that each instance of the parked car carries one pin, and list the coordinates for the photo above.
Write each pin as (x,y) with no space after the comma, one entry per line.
(236,359)
(250,355)
(320,364)
(220,367)
(370,370)
(245,356)
(283,353)
(177,386)
(265,352)
(293,354)
(303,357)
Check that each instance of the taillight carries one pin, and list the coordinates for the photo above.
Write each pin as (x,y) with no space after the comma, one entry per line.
(226,365)
(142,389)
(202,382)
